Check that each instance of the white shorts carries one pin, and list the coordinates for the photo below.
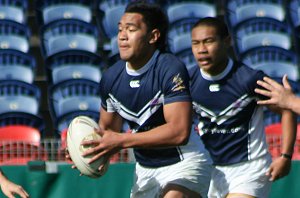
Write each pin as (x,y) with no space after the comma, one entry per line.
(193,173)
(246,177)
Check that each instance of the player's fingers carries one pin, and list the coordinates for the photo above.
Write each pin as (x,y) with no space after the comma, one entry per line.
(99,131)
(263,92)
(73,166)
(286,83)
(21,192)
(264,85)
(95,157)
(271,82)
(264,102)
(90,142)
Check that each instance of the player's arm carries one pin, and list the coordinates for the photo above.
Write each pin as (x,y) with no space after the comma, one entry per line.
(280,167)
(110,121)
(174,132)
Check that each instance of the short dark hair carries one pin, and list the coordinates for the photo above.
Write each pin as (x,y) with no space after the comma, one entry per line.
(154,17)
(218,24)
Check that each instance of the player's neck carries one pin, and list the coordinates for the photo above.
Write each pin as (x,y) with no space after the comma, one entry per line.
(139,62)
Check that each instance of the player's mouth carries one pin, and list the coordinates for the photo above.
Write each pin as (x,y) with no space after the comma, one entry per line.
(204,61)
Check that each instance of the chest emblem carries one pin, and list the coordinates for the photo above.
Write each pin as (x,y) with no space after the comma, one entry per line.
(134,83)
(214,88)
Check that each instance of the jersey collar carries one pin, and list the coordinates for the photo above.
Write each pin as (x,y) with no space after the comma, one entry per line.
(219,76)
(144,68)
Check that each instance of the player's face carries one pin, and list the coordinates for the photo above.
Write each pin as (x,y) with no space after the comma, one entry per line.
(210,51)
(133,39)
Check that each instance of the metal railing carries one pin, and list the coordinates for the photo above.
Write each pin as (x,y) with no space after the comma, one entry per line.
(20,152)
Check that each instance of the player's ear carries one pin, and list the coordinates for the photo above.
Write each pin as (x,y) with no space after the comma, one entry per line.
(154,36)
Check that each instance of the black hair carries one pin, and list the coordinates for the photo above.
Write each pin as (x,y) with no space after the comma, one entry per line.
(154,18)
(218,24)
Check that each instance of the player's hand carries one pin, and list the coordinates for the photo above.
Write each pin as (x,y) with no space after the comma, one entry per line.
(67,155)
(108,145)
(11,189)
(278,95)
(279,168)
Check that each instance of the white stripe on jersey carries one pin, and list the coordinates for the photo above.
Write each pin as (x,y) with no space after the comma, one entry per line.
(113,105)
(227,113)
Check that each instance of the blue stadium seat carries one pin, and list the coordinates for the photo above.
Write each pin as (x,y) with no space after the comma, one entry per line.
(68,34)
(16,65)
(74,65)
(274,61)
(72,96)
(187,58)
(261,32)
(179,35)
(14,10)
(14,35)
(18,96)
(64,121)
(113,50)
(111,18)
(182,16)
(178,11)
(52,10)
(294,12)
(109,14)
(21,118)
(237,11)
(293,9)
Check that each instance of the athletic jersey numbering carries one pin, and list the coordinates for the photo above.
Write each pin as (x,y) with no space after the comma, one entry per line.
(229,120)
(139,96)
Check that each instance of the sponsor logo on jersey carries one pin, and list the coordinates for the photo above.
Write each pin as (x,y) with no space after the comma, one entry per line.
(214,88)
(178,83)
(134,84)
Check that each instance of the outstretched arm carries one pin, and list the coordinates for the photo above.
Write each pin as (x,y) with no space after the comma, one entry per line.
(10,189)
(281,166)
(279,95)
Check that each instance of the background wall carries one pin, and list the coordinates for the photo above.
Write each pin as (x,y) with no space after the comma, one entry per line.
(116,183)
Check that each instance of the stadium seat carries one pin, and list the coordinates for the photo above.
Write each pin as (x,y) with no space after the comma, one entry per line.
(14,35)
(182,16)
(17,65)
(18,96)
(68,34)
(273,135)
(187,58)
(21,118)
(109,15)
(14,10)
(72,98)
(179,36)
(178,11)
(294,12)
(20,144)
(74,64)
(52,10)
(274,61)
(237,11)
(261,32)
(274,140)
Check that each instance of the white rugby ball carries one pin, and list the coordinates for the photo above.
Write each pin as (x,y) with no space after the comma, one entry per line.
(83,128)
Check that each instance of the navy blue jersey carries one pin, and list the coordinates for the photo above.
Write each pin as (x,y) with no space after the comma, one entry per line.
(230,122)
(139,96)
